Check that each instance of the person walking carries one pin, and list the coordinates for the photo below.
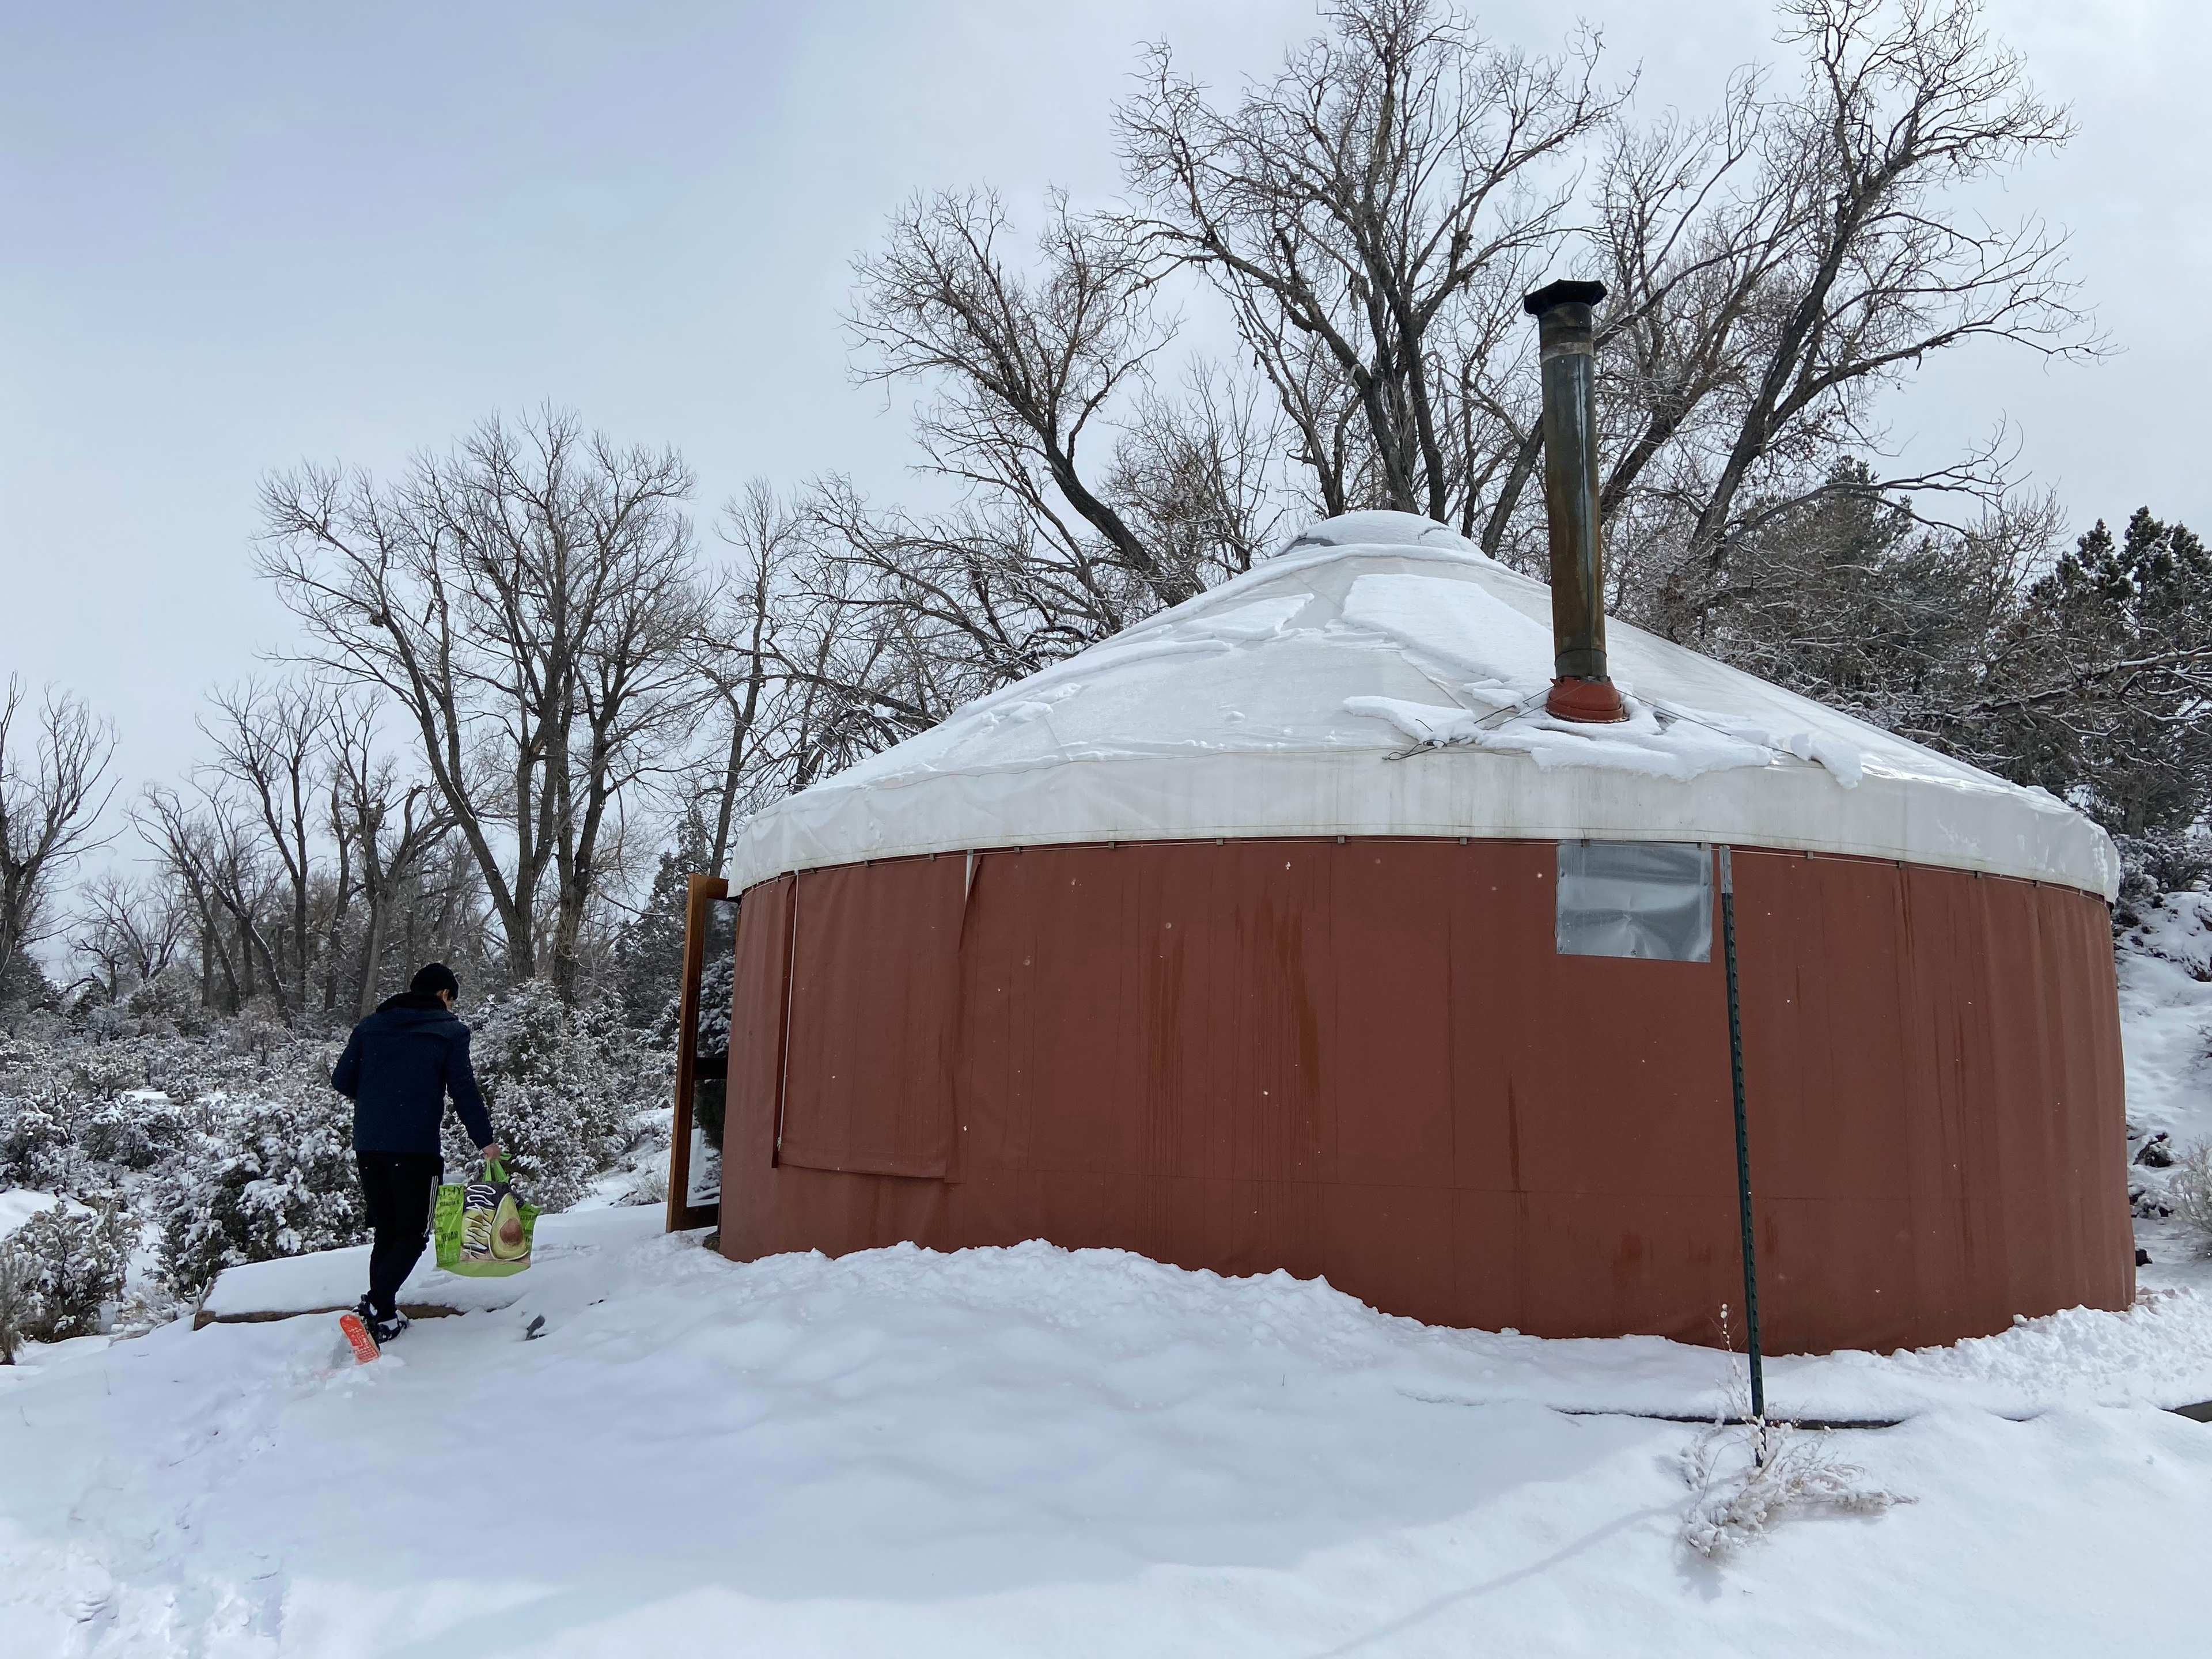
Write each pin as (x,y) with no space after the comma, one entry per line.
(398,1066)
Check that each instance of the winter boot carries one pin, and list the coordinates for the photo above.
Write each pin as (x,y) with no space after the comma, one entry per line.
(384,1329)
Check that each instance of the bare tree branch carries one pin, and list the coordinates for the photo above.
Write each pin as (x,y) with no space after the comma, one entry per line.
(54,787)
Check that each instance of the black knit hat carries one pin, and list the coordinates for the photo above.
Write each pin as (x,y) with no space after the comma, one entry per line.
(432,977)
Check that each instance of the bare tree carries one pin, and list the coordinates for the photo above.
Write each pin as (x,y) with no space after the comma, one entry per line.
(874,625)
(54,760)
(1037,367)
(1024,367)
(213,849)
(131,929)
(386,826)
(1350,209)
(440,910)
(914,616)
(813,660)
(737,651)
(1197,475)
(271,742)
(165,823)
(1859,262)
(1687,235)
(525,599)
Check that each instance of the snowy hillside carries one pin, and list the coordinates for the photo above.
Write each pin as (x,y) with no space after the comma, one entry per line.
(1030,1451)
(2165,1026)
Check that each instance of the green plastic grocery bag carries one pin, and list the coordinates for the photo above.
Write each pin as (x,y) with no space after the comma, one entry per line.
(482,1230)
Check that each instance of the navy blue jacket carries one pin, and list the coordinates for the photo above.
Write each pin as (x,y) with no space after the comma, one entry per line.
(398,1066)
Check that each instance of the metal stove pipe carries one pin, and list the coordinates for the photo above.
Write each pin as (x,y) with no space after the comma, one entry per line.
(1566,339)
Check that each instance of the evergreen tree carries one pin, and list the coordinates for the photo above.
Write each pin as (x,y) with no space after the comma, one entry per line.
(2093,681)
(2121,635)
(649,960)
(1849,599)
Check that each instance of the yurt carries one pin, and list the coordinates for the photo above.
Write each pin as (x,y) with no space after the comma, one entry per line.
(1359,918)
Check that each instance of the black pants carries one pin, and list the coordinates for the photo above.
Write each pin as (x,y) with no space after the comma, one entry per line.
(400,1188)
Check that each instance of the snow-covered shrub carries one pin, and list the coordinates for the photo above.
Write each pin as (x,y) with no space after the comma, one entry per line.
(264,1177)
(67,1108)
(245,1146)
(79,1106)
(37,1093)
(1751,1473)
(2153,865)
(134,1132)
(2145,1205)
(648,1185)
(1751,1477)
(13,1298)
(147,1303)
(228,1142)
(66,1268)
(104,1071)
(166,1004)
(35,1146)
(563,1085)
(2189,1190)
(30,1006)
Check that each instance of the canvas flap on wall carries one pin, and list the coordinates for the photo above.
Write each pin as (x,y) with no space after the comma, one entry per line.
(875,986)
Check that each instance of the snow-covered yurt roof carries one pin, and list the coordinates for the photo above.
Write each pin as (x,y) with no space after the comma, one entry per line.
(1381,677)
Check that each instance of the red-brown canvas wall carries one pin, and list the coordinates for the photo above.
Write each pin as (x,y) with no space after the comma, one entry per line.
(1365,1060)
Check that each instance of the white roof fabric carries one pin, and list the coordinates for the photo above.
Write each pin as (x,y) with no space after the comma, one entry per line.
(1383,677)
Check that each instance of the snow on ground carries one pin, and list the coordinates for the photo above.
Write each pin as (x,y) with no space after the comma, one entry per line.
(1030,1451)
(1037,1452)
(2165,1027)
(335,1278)
(19,1204)
(2165,1016)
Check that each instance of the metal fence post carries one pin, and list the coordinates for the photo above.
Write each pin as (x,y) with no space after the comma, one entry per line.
(1742,1145)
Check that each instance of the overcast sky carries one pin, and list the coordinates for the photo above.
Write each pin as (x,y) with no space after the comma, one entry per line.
(232,237)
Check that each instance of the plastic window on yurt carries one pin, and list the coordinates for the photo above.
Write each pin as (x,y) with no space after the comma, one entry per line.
(1648,899)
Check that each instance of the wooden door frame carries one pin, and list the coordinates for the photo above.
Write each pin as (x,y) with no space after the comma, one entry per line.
(702,891)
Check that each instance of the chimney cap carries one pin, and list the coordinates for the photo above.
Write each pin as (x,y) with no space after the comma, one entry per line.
(1562,293)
